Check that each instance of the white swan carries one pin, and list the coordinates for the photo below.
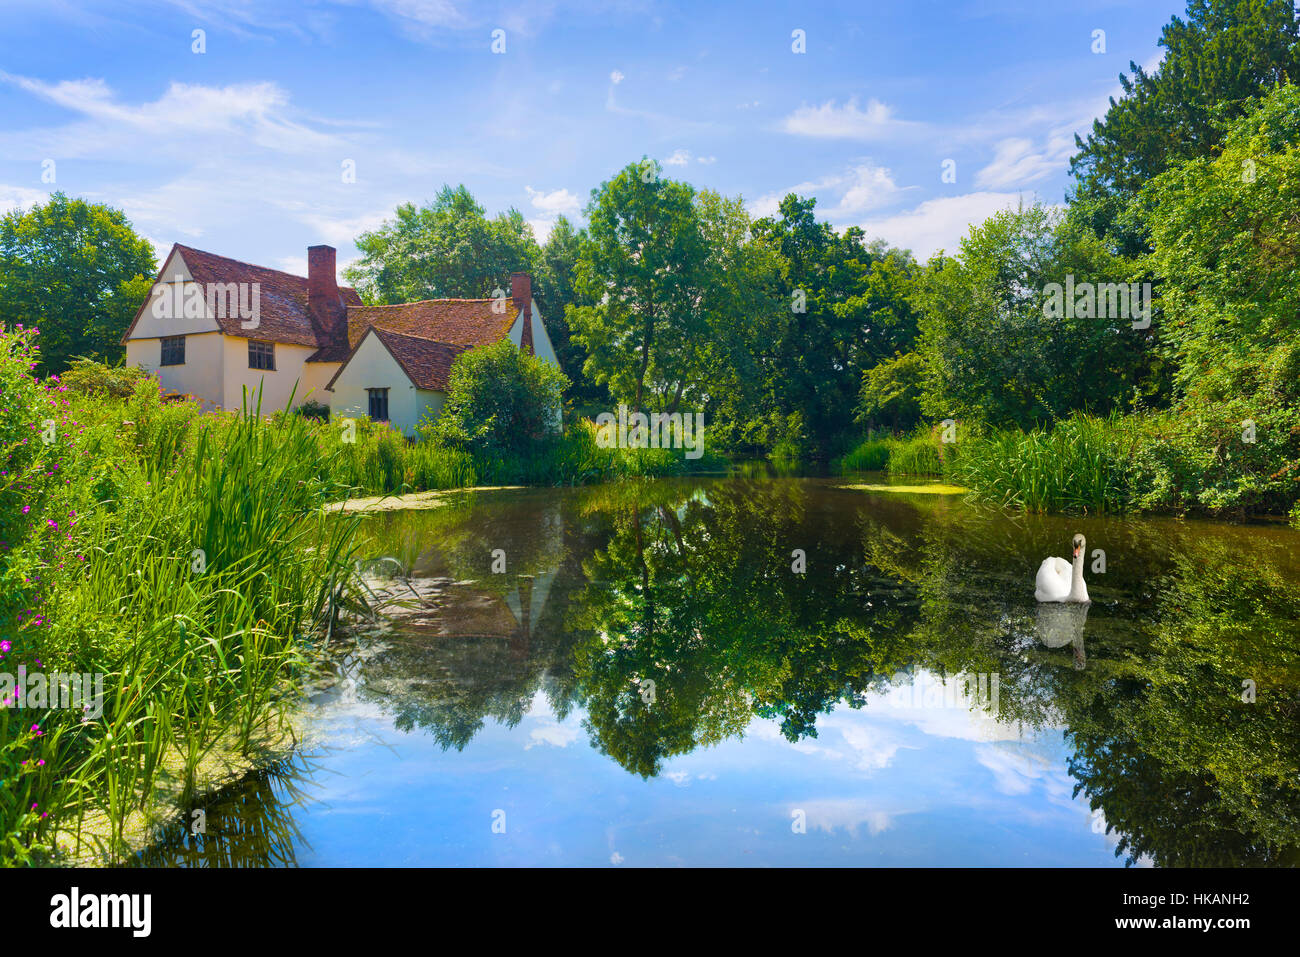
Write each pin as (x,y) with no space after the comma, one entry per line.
(1058,580)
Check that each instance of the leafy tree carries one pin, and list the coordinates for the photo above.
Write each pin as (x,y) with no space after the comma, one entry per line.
(1227,250)
(848,310)
(891,393)
(501,402)
(1227,253)
(745,315)
(444,249)
(78,272)
(643,268)
(992,353)
(1224,54)
(556,290)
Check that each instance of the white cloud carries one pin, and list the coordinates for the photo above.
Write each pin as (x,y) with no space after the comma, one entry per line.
(336,230)
(542,229)
(706,160)
(557,202)
(846,813)
(765,205)
(552,733)
(295,265)
(616,858)
(872,748)
(849,121)
(20,197)
(216,158)
(1017,163)
(939,223)
(866,187)
(1017,769)
(616,77)
(187,121)
(680,157)
(422,17)
(851,192)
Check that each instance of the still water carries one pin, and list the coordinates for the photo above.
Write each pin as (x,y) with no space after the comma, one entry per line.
(791,672)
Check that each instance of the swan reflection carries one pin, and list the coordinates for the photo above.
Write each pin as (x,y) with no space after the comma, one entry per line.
(1059,625)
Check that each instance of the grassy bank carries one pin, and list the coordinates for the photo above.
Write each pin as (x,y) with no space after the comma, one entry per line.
(380,460)
(1221,464)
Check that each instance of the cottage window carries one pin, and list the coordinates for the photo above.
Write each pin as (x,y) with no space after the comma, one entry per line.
(261,355)
(378,404)
(173,351)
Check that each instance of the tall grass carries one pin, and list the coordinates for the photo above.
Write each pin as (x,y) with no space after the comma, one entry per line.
(197,573)
(1077,466)
(916,454)
(870,455)
(381,461)
(576,458)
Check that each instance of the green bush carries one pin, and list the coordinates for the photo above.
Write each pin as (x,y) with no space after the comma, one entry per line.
(87,377)
(502,403)
(1173,461)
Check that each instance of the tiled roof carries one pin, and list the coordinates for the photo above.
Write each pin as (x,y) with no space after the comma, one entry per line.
(426,362)
(460,322)
(283,314)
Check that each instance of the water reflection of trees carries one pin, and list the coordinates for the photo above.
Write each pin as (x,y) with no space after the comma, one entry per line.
(689,586)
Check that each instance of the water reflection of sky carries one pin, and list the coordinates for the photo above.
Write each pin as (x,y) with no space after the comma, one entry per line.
(889,784)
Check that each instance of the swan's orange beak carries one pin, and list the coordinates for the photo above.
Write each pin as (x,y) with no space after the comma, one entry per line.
(1076,551)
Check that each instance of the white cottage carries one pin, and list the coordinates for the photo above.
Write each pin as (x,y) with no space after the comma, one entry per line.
(213,326)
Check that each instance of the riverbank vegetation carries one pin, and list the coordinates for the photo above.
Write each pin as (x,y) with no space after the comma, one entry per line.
(188,558)
(187,561)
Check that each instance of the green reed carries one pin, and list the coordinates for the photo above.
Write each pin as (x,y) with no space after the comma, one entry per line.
(1077,466)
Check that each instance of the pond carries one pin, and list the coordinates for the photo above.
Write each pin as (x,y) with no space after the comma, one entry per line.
(789,671)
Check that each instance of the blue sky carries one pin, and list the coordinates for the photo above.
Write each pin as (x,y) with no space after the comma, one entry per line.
(241,149)
(890,784)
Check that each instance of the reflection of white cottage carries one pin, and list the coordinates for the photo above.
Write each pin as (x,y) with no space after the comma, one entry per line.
(388,362)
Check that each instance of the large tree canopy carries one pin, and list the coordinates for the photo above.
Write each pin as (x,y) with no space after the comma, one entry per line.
(1227,250)
(847,309)
(444,249)
(991,350)
(78,272)
(644,267)
(556,289)
(1224,54)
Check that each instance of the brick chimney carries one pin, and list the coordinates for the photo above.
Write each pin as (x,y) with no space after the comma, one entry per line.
(324,302)
(521,294)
